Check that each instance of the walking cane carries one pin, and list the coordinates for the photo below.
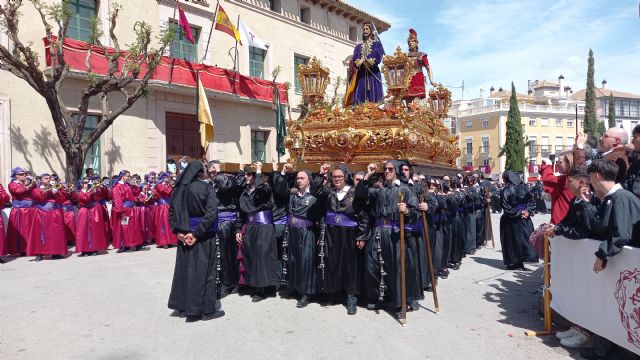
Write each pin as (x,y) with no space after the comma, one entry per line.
(402,266)
(488,229)
(425,231)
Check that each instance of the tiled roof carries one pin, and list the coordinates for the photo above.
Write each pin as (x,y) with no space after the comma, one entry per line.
(381,25)
(600,92)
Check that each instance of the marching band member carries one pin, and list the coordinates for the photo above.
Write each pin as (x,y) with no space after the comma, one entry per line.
(91,233)
(4,199)
(50,238)
(22,215)
(65,198)
(125,225)
(163,235)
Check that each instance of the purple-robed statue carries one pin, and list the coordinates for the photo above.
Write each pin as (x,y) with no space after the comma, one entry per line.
(364,65)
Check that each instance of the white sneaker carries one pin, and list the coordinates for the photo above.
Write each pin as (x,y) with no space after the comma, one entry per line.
(578,341)
(567,334)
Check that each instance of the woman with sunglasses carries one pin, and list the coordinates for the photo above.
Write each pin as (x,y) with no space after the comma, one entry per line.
(22,214)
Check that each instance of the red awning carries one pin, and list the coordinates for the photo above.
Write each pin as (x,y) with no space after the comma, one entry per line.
(184,72)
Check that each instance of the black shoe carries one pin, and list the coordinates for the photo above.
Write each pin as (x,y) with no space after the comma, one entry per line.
(176,313)
(82,254)
(351,309)
(120,251)
(57,257)
(429,288)
(191,319)
(444,274)
(399,314)
(215,315)
(304,301)
(257,298)
(415,305)
(457,266)
(23,254)
(372,306)
(514,267)
(165,247)
(39,258)
(94,253)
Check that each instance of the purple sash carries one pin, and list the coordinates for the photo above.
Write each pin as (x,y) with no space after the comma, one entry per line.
(299,222)
(164,201)
(194,222)
(98,203)
(22,204)
(264,217)
(339,219)
(48,206)
(281,221)
(226,216)
(388,224)
(414,228)
(521,207)
(67,208)
(128,204)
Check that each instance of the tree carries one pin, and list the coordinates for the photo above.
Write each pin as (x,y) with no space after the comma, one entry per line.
(590,115)
(612,111)
(124,74)
(514,145)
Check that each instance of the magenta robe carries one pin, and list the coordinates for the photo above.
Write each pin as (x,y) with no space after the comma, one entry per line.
(4,198)
(48,227)
(21,219)
(91,233)
(164,236)
(128,235)
(65,199)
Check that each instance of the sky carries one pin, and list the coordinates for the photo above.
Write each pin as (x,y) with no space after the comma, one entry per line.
(489,43)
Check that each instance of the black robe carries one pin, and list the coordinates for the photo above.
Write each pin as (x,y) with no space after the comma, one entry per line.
(228,189)
(470,220)
(194,287)
(435,240)
(515,230)
(582,221)
(632,181)
(456,200)
(383,203)
(343,261)
(259,249)
(620,214)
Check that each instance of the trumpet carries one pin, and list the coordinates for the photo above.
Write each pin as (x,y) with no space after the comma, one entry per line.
(28,181)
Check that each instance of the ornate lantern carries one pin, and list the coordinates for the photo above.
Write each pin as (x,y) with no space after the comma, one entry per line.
(398,71)
(314,79)
(440,100)
(295,142)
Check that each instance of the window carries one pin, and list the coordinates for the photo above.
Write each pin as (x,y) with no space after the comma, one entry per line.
(297,61)
(258,145)
(353,33)
(532,145)
(559,122)
(256,62)
(469,163)
(182,48)
(570,141)
(569,123)
(275,6)
(305,14)
(544,146)
(82,11)
(469,148)
(619,108)
(485,162)
(532,122)
(485,145)
(532,161)
(92,160)
(634,108)
(469,124)
(485,123)
(453,126)
(581,124)
(544,122)
(559,146)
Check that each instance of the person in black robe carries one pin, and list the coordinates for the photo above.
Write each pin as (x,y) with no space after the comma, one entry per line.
(470,215)
(434,228)
(280,210)
(413,236)
(515,224)
(386,207)
(192,216)
(346,233)
(496,207)
(632,180)
(480,206)
(258,252)
(456,199)
(302,233)
(228,188)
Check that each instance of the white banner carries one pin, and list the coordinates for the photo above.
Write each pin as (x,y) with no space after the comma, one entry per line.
(249,37)
(607,303)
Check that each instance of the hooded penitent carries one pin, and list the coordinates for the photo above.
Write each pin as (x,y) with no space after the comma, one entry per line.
(178,214)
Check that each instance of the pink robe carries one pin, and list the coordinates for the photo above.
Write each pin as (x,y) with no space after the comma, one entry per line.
(48,227)
(164,236)
(91,234)
(4,198)
(21,219)
(65,199)
(130,234)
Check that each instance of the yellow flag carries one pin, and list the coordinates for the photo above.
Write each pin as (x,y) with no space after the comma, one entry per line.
(204,117)
(224,24)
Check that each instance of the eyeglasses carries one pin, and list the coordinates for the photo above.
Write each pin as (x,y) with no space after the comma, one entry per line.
(21,174)
(390,169)
(605,135)
(212,172)
(338,177)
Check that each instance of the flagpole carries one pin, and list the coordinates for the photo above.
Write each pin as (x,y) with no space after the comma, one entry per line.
(175,9)
(213,23)
(235,60)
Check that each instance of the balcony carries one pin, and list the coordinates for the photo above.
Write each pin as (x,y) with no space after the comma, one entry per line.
(533,150)
(545,150)
(523,108)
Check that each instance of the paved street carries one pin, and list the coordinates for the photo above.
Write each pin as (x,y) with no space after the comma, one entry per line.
(115,307)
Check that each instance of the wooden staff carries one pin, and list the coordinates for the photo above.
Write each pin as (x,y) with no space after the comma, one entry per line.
(488,228)
(425,231)
(548,321)
(402,266)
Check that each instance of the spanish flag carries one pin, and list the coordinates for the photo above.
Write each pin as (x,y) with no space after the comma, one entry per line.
(204,117)
(224,24)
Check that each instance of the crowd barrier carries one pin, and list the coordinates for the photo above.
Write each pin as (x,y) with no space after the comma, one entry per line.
(607,303)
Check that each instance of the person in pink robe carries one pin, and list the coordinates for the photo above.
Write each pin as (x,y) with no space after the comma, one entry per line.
(91,234)
(4,199)
(126,227)
(50,238)
(165,238)
(66,198)
(23,214)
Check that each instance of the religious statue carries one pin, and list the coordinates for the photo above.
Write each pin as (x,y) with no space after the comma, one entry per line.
(365,83)
(417,85)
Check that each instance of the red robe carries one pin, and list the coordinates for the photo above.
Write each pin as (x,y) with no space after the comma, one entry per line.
(23,214)
(66,199)
(4,198)
(416,86)
(164,236)
(48,227)
(130,234)
(91,234)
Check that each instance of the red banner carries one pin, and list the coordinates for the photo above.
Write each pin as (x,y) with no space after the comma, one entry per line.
(183,73)
(467,168)
(485,169)
(533,169)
